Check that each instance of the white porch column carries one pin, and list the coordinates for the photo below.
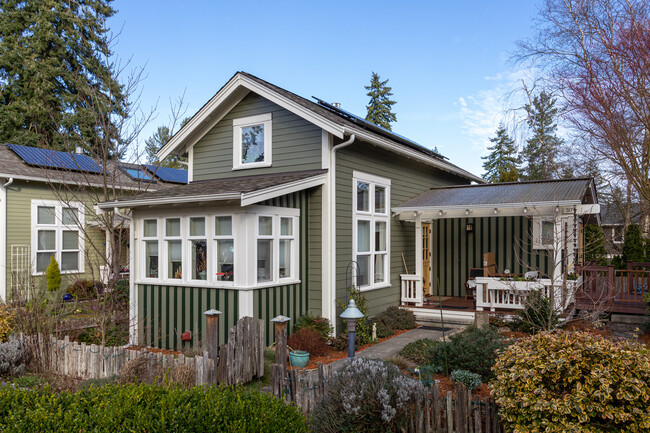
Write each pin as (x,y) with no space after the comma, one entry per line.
(418,258)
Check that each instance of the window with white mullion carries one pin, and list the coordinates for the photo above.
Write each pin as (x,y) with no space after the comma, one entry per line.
(198,246)
(286,246)
(151,247)
(173,249)
(56,233)
(265,247)
(224,247)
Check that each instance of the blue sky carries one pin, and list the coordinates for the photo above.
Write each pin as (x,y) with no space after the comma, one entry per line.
(446,60)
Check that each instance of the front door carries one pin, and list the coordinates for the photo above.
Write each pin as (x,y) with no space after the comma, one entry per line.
(426,259)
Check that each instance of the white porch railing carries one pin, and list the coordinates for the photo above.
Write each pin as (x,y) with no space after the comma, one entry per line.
(412,289)
(492,293)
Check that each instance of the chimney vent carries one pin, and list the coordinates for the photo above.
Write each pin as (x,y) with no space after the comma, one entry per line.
(336,104)
(78,150)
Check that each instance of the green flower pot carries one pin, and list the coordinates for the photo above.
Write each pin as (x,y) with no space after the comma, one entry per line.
(299,358)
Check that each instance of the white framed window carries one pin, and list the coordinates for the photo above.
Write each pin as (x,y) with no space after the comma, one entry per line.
(198,246)
(252,141)
(173,249)
(276,248)
(618,234)
(56,232)
(224,247)
(371,230)
(151,248)
(543,233)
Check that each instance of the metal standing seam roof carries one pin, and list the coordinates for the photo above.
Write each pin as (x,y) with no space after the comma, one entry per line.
(511,193)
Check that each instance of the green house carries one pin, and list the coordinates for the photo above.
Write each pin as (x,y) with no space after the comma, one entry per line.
(289,202)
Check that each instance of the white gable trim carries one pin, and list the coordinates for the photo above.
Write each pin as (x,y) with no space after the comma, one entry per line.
(215,109)
(283,189)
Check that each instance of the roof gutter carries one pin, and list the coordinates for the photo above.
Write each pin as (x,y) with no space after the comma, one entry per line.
(3,239)
(331,302)
(168,200)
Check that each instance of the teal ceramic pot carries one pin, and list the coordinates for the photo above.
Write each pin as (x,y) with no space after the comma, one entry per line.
(299,358)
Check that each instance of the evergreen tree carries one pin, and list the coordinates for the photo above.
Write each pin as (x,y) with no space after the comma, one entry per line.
(633,247)
(57,85)
(379,107)
(501,164)
(154,143)
(53,275)
(541,149)
(595,245)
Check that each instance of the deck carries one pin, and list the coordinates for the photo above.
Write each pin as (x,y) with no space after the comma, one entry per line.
(613,290)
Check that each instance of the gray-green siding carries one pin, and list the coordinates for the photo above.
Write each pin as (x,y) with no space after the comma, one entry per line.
(408,178)
(296,143)
(454,251)
(290,300)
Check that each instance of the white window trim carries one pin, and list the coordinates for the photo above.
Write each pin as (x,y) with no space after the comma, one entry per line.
(374,217)
(191,238)
(165,276)
(238,124)
(537,233)
(212,272)
(58,228)
(143,253)
(622,238)
(275,249)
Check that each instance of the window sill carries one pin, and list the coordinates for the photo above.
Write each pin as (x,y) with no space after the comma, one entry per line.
(41,274)
(251,165)
(217,286)
(375,287)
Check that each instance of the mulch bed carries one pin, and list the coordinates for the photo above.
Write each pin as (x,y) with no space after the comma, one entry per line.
(446,384)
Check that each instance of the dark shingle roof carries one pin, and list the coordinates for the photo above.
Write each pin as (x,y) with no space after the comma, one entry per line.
(212,189)
(502,194)
(612,215)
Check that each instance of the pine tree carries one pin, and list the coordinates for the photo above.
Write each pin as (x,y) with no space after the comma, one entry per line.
(595,245)
(56,79)
(154,143)
(501,164)
(540,152)
(379,107)
(633,248)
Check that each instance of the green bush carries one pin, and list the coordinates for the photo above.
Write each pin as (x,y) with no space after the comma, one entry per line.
(367,395)
(474,349)
(317,323)
(84,289)
(573,382)
(402,319)
(419,351)
(538,314)
(147,408)
(467,378)
(385,325)
(309,340)
(363,325)
(595,251)
(53,275)
(341,344)
(633,248)
(427,373)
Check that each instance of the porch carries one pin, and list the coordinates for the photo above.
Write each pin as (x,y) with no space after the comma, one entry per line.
(614,290)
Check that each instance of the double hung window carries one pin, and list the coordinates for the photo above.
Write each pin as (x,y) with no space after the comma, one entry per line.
(56,233)
(174,247)
(198,249)
(150,243)
(224,242)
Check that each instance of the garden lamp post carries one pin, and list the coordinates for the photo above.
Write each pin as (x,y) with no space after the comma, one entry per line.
(351,315)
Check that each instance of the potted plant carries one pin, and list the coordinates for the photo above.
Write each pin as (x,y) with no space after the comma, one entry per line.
(298,358)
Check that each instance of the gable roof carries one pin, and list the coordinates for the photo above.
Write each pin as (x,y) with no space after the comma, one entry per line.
(248,189)
(335,122)
(566,191)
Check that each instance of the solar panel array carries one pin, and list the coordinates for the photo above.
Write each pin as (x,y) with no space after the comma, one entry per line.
(168,174)
(137,173)
(55,159)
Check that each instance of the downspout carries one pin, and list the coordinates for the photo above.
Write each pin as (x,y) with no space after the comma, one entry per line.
(3,240)
(333,227)
(133,297)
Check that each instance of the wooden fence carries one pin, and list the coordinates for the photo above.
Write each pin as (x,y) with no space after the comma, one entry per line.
(613,290)
(239,361)
(432,412)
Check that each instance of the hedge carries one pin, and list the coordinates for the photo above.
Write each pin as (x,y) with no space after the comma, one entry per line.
(146,408)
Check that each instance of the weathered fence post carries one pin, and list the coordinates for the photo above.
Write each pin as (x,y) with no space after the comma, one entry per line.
(212,340)
(281,341)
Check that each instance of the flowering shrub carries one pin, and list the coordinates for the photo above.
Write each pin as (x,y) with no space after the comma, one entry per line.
(577,382)
(309,340)
(367,395)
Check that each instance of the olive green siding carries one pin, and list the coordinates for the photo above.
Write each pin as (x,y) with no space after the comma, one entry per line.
(454,251)
(315,252)
(19,231)
(165,312)
(296,143)
(408,178)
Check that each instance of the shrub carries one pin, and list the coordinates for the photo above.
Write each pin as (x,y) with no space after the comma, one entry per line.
(427,373)
(28,381)
(578,382)
(96,383)
(53,275)
(366,395)
(633,248)
(538,314)
(595,251)
(385,325)
(402,319)
(419,351)
(309,340)
(341,344)
(14,356)
(7,316)
(84,289)
(317,323)
(474,349)
(147,408)
(143,371)
(363,325)
(467,378)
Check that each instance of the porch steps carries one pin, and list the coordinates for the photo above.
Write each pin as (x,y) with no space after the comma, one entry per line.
(453,318)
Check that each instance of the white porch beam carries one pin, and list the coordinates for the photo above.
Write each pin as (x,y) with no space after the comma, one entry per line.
(418,258)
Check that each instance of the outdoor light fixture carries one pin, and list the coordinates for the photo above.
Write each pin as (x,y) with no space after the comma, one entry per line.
(557,208)
(525,210)
(351,315)
(469,228)
(439,213)
(466,211)
(496,210)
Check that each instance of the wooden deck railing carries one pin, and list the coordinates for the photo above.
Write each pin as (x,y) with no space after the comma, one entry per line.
(613,290)
(412,289)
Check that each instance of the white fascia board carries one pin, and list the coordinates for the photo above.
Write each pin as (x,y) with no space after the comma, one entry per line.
(180,139)
(168,200)
(283,189)
(412,153)
(481,211)
(588,209)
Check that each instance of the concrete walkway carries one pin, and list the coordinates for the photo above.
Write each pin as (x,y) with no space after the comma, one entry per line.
(389,348)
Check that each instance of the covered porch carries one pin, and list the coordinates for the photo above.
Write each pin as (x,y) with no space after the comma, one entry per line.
(488,246)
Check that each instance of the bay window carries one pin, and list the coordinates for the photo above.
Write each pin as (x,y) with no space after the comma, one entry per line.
(150,239)
(225,248)
(56,233)
(199,249)
(174,247)
(371,225)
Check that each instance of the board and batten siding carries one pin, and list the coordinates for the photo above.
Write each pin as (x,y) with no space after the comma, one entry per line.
(454,251)
(166,311)
(19,231)
(408,178)
(296,143)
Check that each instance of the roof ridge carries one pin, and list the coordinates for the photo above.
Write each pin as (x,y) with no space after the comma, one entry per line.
(523,182)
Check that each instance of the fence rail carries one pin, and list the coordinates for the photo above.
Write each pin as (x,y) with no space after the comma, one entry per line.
(613,290)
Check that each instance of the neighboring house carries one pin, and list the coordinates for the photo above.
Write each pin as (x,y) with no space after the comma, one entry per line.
(45,210)
(613,225)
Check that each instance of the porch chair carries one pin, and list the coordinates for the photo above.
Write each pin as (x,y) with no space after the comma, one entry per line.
(470,285)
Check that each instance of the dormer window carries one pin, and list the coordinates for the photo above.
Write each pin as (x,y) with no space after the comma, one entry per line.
(252,142)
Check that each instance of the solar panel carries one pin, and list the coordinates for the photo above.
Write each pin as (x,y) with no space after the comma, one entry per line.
(55,159)
(168,174)
(136,173)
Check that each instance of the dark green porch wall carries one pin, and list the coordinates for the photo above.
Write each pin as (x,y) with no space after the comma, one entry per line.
(454,251)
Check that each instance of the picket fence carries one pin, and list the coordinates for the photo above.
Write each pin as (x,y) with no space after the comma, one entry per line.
(431,411)
(240,360)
